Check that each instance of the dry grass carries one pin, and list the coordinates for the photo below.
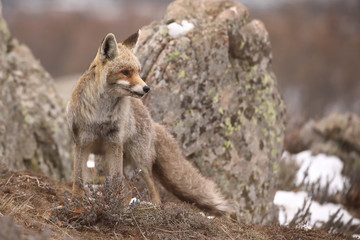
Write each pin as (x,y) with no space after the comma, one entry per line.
(39,204)
(108,209)
(103,205)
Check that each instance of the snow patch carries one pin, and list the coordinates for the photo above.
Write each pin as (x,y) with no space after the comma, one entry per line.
(91,161)
(291,202)
(234,10)
(133,200)
(136,200)
(323,167)
(176,30)
(208,217)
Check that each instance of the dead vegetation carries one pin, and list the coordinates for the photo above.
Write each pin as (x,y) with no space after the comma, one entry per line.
(42,209)
(112,204)
(118,209)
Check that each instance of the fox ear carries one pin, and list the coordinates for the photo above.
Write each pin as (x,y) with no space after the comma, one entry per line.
(131,41)
(109,48)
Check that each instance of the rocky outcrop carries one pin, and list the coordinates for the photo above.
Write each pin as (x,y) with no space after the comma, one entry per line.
(208,66)
(33,132)
(339,135)
(336,134)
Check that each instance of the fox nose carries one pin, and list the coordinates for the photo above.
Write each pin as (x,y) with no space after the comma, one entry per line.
(146,89)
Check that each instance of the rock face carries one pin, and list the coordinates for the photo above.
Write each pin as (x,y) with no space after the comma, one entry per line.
(33,131)
(213,87)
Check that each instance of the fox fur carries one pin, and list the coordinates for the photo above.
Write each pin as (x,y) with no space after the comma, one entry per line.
(106,117)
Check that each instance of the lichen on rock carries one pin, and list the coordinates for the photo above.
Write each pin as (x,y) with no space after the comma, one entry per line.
(214,89)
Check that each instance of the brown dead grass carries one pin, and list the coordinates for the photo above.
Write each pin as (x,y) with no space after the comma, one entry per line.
(30,200)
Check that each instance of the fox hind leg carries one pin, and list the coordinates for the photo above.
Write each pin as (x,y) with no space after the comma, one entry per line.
(152,188)
(141,158)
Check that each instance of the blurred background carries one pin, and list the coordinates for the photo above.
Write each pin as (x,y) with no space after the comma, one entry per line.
(316,43)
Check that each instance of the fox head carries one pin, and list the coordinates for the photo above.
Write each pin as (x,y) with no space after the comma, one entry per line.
(118,69)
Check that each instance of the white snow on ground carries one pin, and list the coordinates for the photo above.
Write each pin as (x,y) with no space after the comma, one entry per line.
(133,200)
(327,168)
(321,167)
(208,217)
(290,202)
(136,200)
(176,30)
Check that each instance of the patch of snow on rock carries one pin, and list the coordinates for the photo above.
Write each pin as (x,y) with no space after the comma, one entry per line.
(178,30)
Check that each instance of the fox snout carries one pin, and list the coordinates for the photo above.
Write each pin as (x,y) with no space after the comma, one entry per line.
(139,90)
(146,89)
(133,84)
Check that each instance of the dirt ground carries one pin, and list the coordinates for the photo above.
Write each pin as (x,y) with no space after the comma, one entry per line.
(30,201)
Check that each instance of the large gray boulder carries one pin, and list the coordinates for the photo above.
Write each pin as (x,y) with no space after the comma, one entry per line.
(213,87)
(33,131)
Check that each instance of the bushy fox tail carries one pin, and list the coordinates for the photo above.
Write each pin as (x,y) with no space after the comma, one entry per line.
(185,181)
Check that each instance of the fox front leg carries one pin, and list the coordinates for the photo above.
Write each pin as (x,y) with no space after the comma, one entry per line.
(114,160)
(81,156)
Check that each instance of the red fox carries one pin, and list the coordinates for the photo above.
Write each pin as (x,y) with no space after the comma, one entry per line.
(106,117)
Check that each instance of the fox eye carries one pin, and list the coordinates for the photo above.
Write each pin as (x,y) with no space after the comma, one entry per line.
(125,73)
